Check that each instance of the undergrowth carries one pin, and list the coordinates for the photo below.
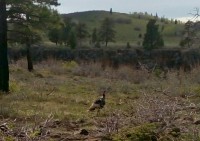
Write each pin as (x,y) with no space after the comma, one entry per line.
(140,105)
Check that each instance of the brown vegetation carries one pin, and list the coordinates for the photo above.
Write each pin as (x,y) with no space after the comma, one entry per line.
(162,58)
(51,103)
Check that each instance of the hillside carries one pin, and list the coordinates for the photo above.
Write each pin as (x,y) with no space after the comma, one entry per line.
(129,26)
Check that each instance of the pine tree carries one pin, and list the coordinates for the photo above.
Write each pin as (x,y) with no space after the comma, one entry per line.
(94,36)
(54,35)
(106,31)
(152,38)
(18,12)
(82,32)
(29,18)
(72,40)
(111,11)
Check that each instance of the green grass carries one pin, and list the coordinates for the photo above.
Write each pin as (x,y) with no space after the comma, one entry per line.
(128,32)
(73,87)
(71,96)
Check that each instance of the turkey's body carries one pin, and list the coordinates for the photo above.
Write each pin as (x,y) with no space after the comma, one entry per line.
(98,104)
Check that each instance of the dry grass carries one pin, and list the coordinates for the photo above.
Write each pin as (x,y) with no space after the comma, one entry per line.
(124,73)
(66,90)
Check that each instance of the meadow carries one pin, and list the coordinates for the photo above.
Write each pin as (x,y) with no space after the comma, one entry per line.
(51,103)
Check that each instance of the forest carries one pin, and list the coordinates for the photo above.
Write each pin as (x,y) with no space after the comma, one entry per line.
(96,75)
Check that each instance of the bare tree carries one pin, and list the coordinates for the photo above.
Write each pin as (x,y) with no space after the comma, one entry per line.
(190,36)
(195,14)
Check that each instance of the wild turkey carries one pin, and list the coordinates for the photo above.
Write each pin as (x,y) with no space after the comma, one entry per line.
(98,104)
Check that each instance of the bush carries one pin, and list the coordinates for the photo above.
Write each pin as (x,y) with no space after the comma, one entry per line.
(123,21)
(145,132)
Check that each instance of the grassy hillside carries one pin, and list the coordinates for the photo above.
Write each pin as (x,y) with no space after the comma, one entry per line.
(129,26)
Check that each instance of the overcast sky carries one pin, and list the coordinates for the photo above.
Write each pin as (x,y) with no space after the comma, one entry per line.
(167,8)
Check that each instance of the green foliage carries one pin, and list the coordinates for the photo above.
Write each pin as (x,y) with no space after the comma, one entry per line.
(9,138)
(66,29)
(94,36)
(196,90)
(31,20)
(72,40)
(106,31)
(61,34)
(36,2)
(70,65)
(14,86)
(81,31)
(128,45)
(152,39)
(158,72)
(145,132)
(68,33)
(54,35)
(175,132)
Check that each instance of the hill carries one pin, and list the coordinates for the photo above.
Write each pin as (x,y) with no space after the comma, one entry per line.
(129,26)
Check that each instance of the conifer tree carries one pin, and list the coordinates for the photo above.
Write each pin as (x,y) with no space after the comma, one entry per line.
(152,38)
(81,31)
(106,31)
(29,17)
(24,13)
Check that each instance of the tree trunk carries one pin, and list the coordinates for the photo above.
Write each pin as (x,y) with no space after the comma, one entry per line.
(4,69)
(28,53)
(28,49)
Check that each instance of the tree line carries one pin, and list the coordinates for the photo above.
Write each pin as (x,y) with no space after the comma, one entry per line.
(72,34)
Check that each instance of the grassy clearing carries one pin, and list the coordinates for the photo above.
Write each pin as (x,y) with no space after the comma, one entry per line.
(65,90)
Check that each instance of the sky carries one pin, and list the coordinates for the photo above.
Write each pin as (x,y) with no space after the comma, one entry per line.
(163,8)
